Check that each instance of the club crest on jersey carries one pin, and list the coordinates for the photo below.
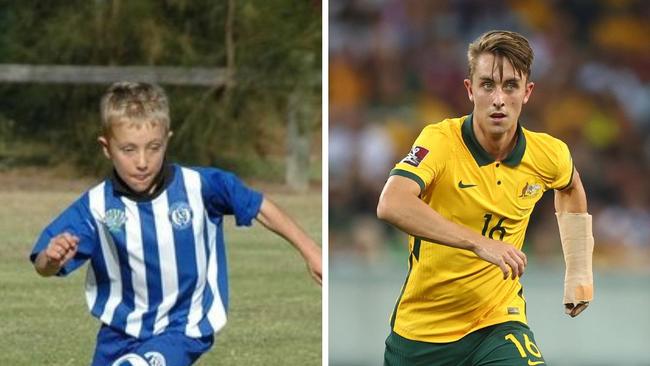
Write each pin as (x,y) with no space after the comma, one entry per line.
(415,156)
(114,219)
(155,359)
(149,359)
(530,190)
(180,215)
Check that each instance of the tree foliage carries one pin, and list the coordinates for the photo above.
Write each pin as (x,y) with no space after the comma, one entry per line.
(275,51)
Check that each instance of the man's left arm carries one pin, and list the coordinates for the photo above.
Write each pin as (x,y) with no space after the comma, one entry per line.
(577,244)
(274,219)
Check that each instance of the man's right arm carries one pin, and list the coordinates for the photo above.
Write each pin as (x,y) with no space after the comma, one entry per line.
(400,205)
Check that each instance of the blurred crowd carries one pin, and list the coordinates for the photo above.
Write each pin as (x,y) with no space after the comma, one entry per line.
(398,65)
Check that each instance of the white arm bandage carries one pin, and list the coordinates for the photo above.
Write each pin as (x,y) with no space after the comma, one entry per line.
(578,247)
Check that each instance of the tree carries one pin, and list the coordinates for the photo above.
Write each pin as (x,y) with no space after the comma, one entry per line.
(272,47)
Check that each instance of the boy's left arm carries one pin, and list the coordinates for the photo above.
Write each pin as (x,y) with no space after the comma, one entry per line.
(274,219)
(577,244)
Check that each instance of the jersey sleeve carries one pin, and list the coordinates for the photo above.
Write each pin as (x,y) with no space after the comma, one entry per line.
(427,157)
(76,220)
(564,166)
(226,194)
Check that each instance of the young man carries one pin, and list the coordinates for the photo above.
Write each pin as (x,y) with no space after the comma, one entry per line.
(464,194)
(153,233)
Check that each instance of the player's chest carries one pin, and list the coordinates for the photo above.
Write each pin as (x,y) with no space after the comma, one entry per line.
(511,191)
(134,227)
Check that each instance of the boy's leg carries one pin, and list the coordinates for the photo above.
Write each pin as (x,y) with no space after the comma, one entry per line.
(115,348)
(167,349)
(111,344)
(508,344)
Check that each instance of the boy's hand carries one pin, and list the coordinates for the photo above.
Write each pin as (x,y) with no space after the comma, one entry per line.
(61,249)
(315,268)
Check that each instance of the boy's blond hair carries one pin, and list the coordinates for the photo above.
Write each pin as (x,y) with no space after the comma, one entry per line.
(133,102)
(503,44)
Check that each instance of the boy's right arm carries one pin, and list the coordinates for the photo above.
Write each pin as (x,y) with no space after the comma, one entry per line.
(276,220)
(61,249)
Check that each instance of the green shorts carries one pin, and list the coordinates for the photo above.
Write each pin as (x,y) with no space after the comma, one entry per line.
(506,344)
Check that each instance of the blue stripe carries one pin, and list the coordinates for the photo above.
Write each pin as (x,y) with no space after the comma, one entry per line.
(119,239)
(185,258)
(103,283)
(204,325)
(222,271)
(152,260)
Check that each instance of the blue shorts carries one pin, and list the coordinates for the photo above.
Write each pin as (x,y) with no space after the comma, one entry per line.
(115,348)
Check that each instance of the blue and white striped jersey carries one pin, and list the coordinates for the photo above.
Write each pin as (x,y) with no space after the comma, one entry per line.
(158,264)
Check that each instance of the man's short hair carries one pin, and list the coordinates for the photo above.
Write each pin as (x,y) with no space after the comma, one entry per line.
(134,102)
(502,44)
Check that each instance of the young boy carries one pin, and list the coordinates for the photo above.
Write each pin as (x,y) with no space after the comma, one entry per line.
(153,233)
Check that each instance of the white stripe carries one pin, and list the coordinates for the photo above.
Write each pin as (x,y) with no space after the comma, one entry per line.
(98,209)
(91,281)
(167,254)
(135,250)
(217,312)
(193,187)
(91,286)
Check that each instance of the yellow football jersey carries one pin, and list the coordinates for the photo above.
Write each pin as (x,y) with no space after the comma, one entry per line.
(451,292)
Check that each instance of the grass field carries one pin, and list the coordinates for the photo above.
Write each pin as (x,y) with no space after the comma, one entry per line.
(275,311)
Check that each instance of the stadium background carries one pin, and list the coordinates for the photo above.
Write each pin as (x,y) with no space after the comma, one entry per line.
(395,66)
(49,155)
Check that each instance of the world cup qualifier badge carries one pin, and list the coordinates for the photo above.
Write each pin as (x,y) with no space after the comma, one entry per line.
(180,215)
(416,156)
(114,219)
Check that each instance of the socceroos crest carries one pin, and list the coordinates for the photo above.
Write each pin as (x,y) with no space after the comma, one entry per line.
(530,190)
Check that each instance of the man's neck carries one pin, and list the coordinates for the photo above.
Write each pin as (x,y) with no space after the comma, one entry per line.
(498,146)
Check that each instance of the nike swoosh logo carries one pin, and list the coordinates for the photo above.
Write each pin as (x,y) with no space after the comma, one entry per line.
(461,185)
(535,363)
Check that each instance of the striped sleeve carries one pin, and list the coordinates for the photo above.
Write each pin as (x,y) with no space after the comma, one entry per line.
(76,220)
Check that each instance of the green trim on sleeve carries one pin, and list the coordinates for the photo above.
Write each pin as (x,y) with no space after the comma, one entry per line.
(412,176)
(573,169)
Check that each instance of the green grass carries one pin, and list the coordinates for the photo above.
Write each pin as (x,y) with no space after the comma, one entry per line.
(275,307)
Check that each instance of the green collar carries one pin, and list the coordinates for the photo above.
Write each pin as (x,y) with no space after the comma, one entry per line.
(481,156)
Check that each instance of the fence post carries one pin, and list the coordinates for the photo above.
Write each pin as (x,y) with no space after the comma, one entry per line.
(298,121)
